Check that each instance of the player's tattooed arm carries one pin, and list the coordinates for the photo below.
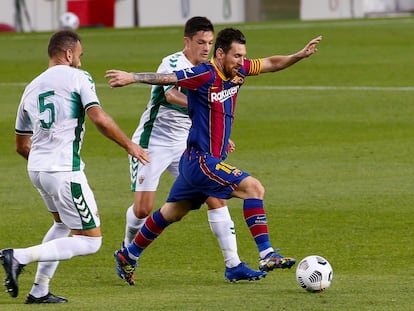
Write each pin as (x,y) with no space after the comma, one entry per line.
(155,78)
(118,78)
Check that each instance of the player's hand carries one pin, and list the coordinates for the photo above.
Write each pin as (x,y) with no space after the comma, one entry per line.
(231,146)
(310,48)
(119,78)
(139,153)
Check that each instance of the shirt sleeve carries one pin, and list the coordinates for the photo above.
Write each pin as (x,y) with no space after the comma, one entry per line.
(88,94)
(23,124)
(193,78)
(165,67)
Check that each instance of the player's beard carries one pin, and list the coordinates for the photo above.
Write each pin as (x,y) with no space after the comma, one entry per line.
(232,72)
(72,64)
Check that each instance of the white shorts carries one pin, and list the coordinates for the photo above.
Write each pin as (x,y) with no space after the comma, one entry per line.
(147,177)
(69,195)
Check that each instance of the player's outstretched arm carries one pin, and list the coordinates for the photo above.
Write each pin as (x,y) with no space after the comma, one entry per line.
(110,129)
(279,62)
(119,78)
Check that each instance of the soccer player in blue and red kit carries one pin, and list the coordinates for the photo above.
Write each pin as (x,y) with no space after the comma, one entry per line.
(212,91)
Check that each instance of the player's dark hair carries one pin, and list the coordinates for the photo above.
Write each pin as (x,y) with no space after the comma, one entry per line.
(61,41)
(226,37)
(196,24)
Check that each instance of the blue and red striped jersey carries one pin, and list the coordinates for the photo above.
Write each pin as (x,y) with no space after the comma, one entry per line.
(211,104)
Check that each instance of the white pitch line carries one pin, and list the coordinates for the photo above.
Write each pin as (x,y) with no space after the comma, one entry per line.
(274,87)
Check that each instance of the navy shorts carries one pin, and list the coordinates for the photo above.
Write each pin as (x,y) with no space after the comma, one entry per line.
(202,175)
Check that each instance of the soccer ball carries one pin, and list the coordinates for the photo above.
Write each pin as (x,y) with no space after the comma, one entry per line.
(314,273)
(69,20)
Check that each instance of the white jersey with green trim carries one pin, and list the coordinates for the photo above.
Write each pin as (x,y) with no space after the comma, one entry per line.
(52,110)
(163,123)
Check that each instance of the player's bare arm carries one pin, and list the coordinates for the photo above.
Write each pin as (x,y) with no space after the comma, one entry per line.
(155,78)
(110,129)
(23,145)
(119,78)
(279,62)
(174,96)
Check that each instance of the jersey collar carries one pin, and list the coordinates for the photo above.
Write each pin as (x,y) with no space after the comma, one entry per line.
(221,75)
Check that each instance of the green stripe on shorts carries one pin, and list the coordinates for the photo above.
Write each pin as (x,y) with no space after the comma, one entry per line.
(83,209)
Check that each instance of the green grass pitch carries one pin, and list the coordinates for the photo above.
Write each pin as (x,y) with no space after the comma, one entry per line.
(331,139)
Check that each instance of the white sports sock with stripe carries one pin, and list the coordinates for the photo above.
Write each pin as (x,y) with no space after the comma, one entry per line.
(223,228)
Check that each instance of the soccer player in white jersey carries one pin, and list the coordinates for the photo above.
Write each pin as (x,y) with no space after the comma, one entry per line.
(163,132)
(50,126)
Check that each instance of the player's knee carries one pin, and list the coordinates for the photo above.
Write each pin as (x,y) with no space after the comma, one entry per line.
(255,189)
(259,189)
(94,244)
(142,210)
(175,211)
(143,204)
(87,245)
(91,244)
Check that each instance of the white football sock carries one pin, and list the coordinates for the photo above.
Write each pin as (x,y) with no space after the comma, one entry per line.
(46,270)
(133,224)
(223,228)
(58,249)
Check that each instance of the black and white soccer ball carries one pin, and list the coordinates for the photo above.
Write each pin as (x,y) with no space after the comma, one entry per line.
(69,20)
(314,273)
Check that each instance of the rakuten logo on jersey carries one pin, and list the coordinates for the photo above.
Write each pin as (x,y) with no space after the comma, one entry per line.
(224,94)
